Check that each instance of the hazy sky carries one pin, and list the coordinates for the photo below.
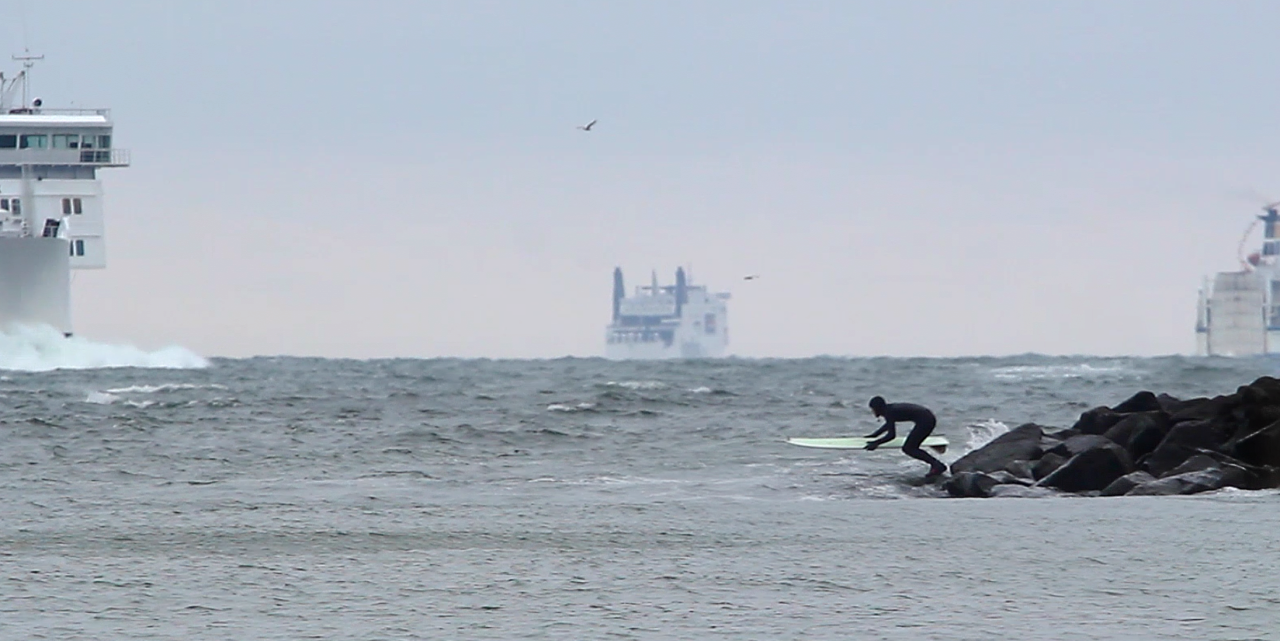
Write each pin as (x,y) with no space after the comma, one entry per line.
(403,178)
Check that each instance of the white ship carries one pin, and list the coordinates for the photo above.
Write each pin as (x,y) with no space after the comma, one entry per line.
(673,321)
(1239,312)
(50,201)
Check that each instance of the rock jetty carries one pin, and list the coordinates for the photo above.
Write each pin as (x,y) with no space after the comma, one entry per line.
(1147,445)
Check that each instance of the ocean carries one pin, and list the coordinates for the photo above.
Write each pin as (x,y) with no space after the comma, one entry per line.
(168,496)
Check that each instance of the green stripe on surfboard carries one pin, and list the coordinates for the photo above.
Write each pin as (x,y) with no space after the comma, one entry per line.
(858,442)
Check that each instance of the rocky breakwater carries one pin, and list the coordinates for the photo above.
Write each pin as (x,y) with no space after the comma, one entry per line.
(1147,445)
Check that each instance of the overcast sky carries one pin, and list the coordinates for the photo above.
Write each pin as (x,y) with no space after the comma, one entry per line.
(404,178)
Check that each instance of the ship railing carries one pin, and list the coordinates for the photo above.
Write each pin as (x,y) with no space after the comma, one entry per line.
(59,157)
(44,111)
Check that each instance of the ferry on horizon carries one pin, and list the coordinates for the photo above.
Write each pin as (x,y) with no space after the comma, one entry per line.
(663,322)
(1239,312)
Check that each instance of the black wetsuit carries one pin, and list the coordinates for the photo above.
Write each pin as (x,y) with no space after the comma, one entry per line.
(924,423)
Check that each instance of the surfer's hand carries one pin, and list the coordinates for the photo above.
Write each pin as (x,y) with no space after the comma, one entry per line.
(871,446)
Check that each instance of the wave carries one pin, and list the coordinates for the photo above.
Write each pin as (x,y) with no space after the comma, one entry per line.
(1055,372)
(43,349)
(983,432)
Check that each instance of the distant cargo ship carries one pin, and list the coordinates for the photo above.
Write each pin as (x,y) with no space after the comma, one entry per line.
(670,321)
(1239,311)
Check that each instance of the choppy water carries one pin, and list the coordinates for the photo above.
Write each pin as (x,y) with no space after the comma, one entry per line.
(286,498)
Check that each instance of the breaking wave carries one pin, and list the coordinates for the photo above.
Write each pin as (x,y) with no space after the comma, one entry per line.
(42,349)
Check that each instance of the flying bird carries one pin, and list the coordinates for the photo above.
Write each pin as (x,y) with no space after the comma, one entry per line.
(751,277)
(588,126)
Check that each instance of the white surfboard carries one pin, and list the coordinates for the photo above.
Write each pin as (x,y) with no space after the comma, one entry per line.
(938,443)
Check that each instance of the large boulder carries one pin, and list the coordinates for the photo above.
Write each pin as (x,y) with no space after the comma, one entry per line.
(1019,444)
(1256,477)
(1168,403)
(1141,402)
(1195,463)
(1097,420)
(1011,491)
(1214,478)
(1203,409)
(1180,443)
(1261,447)
(1078,444)
(1263,391)
(969,485)
(1144,429)
(1122,485)
(1063,434)
(1004,477)
(1022,470)
(1091,470)
(1047,464)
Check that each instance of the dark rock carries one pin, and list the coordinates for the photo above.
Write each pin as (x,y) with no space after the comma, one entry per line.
(1078,444)
(969,485)
(1263,391)
(1195,463)
(1189,483)
(1181,442)
(1146,439)
(1256,477)
(1021,469)
(1097,420)
(1262,447)
(1137,423)
(1255,417)
(1003,477)
(1203,409)
(1122,485)
(1063,435)
(1011,491)
(1047,443)
(1141,402)
(1019,444)
(1092,469)
(1168,403)
(1046,465)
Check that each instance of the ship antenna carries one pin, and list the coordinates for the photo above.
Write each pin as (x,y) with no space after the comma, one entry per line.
(28,61)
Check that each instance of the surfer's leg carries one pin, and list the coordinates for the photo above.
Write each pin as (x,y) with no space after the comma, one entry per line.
(912,448)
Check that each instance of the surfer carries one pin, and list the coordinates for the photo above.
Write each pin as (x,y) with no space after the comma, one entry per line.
(924,421)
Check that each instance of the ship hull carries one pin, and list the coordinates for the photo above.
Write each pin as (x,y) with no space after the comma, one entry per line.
(659,350)
(35,283)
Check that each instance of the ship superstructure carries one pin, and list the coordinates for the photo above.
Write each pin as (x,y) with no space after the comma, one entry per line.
(51,218)
(1239,311)
(667,321)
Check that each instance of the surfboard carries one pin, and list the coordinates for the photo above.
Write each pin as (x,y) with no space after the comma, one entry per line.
(938,443)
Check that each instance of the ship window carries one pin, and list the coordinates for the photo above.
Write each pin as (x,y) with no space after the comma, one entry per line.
(66,141)
(15,206)
(8,141)
(104,142)
(66,205)
(77,248)
(88,142)
(76,207)
(34,141)
(4,204)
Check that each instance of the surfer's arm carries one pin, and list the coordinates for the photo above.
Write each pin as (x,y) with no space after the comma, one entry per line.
(887,427)
(889,434)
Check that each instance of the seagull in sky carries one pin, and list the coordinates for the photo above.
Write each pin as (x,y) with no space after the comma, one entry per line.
(751,277)
(588,126)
